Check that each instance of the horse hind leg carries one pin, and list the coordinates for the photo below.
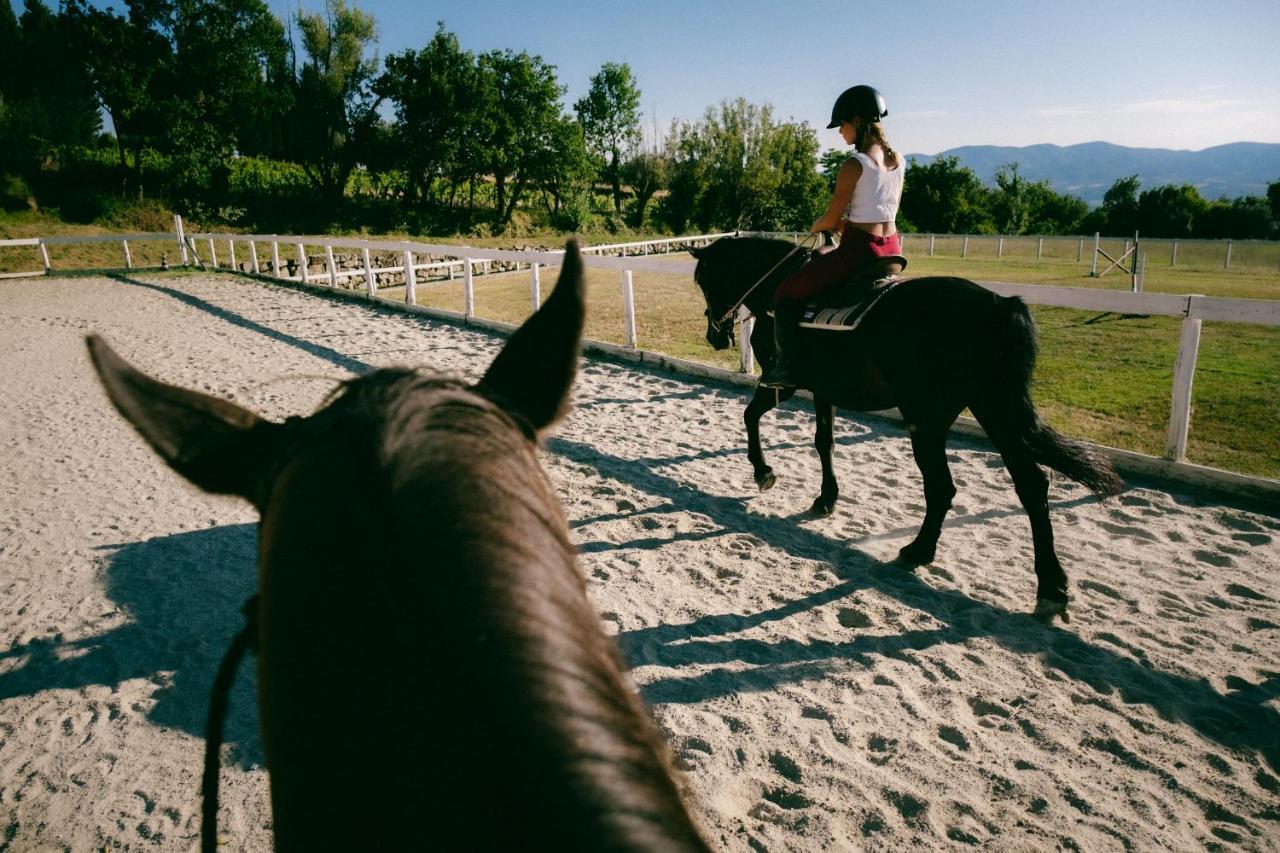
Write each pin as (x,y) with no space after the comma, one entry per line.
(824,440)
(929,446)
(1032,487)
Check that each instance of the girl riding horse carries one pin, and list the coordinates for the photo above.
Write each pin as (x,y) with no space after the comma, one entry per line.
(864,204)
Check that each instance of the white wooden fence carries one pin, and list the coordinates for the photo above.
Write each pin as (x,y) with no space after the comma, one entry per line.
(1194,309)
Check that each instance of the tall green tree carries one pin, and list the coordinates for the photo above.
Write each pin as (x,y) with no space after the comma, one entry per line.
(610,116)
(520,98)
(1169,211)
(47,94)
(738,168)
(335,107)
(946,198)
(646,172)
(433,91)
(131,65)
(1120,206)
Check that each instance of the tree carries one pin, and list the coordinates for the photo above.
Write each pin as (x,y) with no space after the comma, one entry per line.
(1120,206)
(131,68)
(335,108)
(520,102)
(610,116)
(1273,199)
(946,198)
(646,172)
(829,165)
(1170,211)
(431,90)
(737,168)
(48,96)
(1244,218)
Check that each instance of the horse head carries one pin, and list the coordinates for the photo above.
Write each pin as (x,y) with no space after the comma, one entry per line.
(710,278)
(741,271)
(424,641)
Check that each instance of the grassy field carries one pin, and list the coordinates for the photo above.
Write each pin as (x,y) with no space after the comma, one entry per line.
(1103,377)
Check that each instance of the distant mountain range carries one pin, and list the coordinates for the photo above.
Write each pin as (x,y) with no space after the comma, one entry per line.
(1088,170)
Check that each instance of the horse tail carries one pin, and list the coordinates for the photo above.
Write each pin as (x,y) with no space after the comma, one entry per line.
(1014,355)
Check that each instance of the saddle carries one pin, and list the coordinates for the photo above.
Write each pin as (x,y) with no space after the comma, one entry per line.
(842,308)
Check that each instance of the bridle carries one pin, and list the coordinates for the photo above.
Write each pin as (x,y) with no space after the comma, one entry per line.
(717,324)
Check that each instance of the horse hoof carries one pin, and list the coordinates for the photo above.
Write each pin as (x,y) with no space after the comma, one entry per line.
(1047,608)
(766,481)
(911,557)
(822,508)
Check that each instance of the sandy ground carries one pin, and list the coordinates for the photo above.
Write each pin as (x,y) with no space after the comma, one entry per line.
(816,697)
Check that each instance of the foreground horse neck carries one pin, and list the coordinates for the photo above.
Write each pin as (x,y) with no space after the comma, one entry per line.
(521,700)
(429,665)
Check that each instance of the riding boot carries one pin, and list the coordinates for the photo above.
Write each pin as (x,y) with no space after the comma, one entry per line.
(786,328)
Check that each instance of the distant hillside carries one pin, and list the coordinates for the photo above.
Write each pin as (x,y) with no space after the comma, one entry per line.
(1089,169)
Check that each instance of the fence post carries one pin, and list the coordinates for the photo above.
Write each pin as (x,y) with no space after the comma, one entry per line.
(931,245)
(213,254)
(535,285)
(964,248)
(231,251)
(370,283)
(275,258)
(302,264)
(1173,254)
(1080,251)
(128,258)
(253,252)
(1000,247)
(1097,244)
(1040,248)
(44,256)
(1183,373)
(628,310)
(328,259)
(746,325)
(182,239)
(410,279)
(1133,263)
(1226,261)
(468,291)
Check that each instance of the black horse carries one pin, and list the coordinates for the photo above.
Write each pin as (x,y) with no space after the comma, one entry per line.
(931,347)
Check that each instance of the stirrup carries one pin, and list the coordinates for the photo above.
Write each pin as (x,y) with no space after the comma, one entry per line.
(779,379)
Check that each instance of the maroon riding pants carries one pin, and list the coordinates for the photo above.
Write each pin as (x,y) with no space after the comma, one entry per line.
(856,248)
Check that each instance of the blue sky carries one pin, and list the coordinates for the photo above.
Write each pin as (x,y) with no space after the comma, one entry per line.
(1168,74)
(1148,74)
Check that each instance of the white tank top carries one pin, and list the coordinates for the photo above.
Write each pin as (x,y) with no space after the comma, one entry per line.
(876,195)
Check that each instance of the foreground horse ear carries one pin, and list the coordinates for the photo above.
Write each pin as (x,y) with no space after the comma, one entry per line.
(533,374)
(212,442)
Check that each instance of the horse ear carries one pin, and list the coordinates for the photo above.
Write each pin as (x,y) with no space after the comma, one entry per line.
(533,374)
(697,251)
(212,442)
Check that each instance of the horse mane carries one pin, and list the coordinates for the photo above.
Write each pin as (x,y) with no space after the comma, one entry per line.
(540,690)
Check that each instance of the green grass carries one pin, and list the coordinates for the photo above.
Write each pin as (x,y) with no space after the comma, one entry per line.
(1101,377)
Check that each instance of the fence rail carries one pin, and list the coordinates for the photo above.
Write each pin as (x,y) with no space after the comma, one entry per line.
(1193,309)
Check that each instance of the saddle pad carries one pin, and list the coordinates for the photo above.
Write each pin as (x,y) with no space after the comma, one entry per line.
(846,318)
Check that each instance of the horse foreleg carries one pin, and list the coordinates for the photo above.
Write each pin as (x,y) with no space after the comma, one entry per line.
(929,446)
(823,440)
(764,400)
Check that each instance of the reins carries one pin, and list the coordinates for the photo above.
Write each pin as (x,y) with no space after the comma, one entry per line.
(219,695)
(733,309)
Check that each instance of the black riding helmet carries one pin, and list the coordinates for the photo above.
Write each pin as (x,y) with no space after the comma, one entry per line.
(861,102)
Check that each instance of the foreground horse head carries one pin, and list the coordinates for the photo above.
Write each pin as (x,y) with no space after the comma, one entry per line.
(429,666)
(931,348)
